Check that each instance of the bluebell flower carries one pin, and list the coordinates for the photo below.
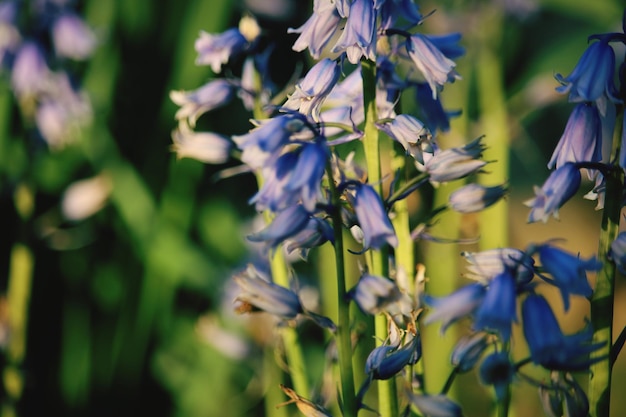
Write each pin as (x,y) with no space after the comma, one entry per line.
(312,90)
(411,133)
(451,308)
(258,293)
(568,272)
(207,147)
(267,137)
(468,351)
(358,38)
(582,139)
(72,38)
(315,233)
(375,294)
(617,253)
(318,29)
(306,176)
(435,405)
(210,96)
(564,396)
(497,311)
(393,10)
(448,44)
(549,347)
(431,111)
(30,72)
(497,370)
(372,218)
(432,63)
(475,197)
(560,186)
(386,361)
(486,265)
(455,163)
(592,77)
(286,224)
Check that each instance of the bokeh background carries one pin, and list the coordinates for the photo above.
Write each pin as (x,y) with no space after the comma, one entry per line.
(129,310)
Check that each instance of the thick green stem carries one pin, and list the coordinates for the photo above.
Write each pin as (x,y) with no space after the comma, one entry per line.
(602,299)
(377,259)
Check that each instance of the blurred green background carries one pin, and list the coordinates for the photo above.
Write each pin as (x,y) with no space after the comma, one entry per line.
(126,307)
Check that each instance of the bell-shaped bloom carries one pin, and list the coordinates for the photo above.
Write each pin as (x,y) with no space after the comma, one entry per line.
(455,163)
(486,265)
(435,405)
(375,294)
(72,37)
(451,308)
(267,137)
(560,186)
(86,197)
(618,252)
(272,195)
(30,73)
(411,133)
(207,147)
(306,176)
(393,10)
(312,90)
(358,38)
(372,218)
(432,63)
(549,347)
(582,138)
(448,44)
(498,311)
(315,233)
(475,197)
(210,96)
(568,272)
(497,370)
(217,49)
(593,75)
(431,110)
(286,224)
(259,294)
(386,361)
(468,351)
(317,31)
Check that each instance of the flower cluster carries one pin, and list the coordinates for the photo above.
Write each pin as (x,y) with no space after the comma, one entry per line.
(38,40)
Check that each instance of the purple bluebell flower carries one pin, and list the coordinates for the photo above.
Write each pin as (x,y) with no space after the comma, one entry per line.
(11,37)
(455,163)
(276,176)
(386,361)
(582,138)
(617,253)
(286,224)
(435,405)
(497,311)
(475,197)
(375,294)
(560,186)
(486,265)
(312,90)
(593,75)
(568,272)
(468,351)
(72,37)
(318,29)
(549,347)
(30,72)
(497,370)
(258,293)
(448,44)
(267,138)
(432,63)
(306,176)
(393,10)
(207,147)
(372,218)
(451,308)
(210,96)
(411,133)
(315,233)
(431,110)
(358,38)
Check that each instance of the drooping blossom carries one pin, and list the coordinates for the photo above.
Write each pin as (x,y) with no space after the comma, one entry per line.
(560,186)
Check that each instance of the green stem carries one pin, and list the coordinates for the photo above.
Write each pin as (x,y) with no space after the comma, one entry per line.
(378,264)
(602,298)
(343,336)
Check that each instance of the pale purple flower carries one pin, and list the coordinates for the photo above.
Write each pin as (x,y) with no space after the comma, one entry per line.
(385,361)
(432,63)
(314,234)
(431,111)
(72,37)
(486,265)
(318,29)
(448,44)
(582,138)
(475,197)
(411,133)
(210,96)
(560,186)
(393,10)
(375,294)
(207,147)
(455,163)
(451,308)
(30,73)
(358,38)
(313,89)
(468,351)
(372,218)
(306,176)
(286,224)
(272,195)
